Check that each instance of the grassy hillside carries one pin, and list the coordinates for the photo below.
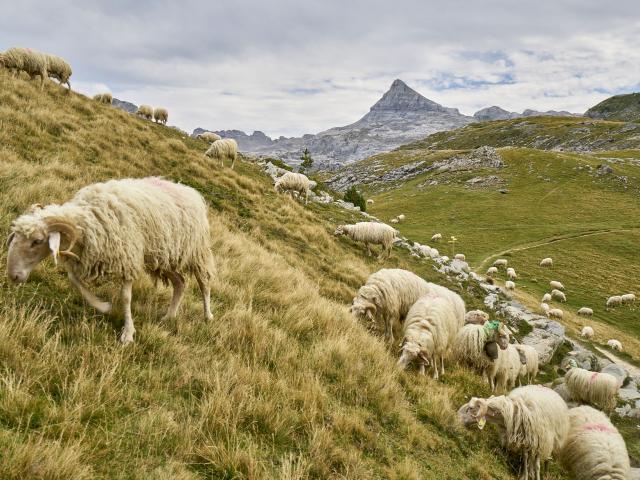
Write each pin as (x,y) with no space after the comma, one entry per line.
(625,108)
(282,384)
(547,133)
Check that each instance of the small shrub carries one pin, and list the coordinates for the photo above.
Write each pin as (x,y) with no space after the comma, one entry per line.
(354,196)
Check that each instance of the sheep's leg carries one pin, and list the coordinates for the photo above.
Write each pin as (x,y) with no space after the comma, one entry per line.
(128,330)
(306,197)
(205,289)
(442,365)
(388,330)
(537,467)
(233,162)
(178,283)
(422,368)
(95,302)
(368,249)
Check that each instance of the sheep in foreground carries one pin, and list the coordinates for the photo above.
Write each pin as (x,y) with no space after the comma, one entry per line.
(587,332)
(120,228)
(504,371)
(460,256)
(594,449)
(388,295)
(293,182)
(160,115)
(59,69)
(595,388)
(511,273)
(614,301)
(556,285)
(546,262)
(615,344)
(585,311)
(103,98)
(533,421)
(33,63)
(145,111)
(509,285)
(558,295)
(226,149)
(429,330)
(477,317)
(370,233)
(436,237)
(628,298)
(555,313)
(209,137)
(501,262)
(530,362)
(492,271)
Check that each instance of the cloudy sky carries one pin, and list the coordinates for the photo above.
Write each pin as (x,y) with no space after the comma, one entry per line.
(293,67)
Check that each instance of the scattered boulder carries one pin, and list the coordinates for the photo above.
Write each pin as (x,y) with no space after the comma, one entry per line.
(604,170)
(617,371)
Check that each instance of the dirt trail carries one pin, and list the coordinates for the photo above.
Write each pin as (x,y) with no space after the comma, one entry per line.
(632,369)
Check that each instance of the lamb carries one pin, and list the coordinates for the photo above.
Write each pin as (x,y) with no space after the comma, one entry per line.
(530,362)
(587,332)
(429,330)
(492,271)
(160,115)
(546,297)
(59,69)
(209,137)
(145,111)
(103,98)
(227,149)
(33,63)
(533,420)
(595,388)
(546,262)
(293,182)
(628,298)
(614,301)
(370,233)
(460,256)
(120,228)
(388,295)
(436,237)
(615,344)
(556,285)
(555,313)
(477,317)
(511,273)
(370,201)
(401,217)
(585,311)
(558,295)
(594,449)
(509,285)
(501,262)
(505,370)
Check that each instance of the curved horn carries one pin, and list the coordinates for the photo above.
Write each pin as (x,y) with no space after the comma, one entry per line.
(10,238)
(72,234)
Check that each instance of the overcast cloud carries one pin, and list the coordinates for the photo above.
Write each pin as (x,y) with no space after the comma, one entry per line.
(294,67)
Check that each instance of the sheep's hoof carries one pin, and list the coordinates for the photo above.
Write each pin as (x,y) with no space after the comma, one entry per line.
(126,337)
(208,316)
(104,307)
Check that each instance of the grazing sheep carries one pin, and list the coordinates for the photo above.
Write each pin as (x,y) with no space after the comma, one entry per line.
(460,256)
(227,149)
(394,220)
(429,330)
(505,370)
(556,285)
(530,362)
(103,98)
(546,262)
(595,388)
(33,63)
(444,259)
(533,421)
(145,111)
(435,253)
(370,201)
(509,285)
(59,69)
(436,237)
(292,182)
(160,115)
(614,301)
(501,262)
(370,233)
(587,332)
(477,317)
(546,297)
(209,137)
(545,307)
(388,295)
(511,273)
(401,217)
(558,295)
(628,298)
(594,449)
(120,228)
(615,344)
(585,311)
(555,313)
(492,271)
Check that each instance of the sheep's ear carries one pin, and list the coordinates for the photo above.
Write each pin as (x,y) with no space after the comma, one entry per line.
(10,238)
(54,245)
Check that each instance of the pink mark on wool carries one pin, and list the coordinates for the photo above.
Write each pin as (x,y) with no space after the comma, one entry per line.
(593,377)
(598,427)
(160,183)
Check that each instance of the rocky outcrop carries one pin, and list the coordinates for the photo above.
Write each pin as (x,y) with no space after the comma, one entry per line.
(124,105)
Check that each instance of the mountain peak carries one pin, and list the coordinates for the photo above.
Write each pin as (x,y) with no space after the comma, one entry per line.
(402,98)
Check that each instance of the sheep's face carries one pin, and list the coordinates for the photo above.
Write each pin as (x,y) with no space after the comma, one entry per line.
(25,252)
(363,308)
(409,352)
(339,230)
(502,337)
(473,412)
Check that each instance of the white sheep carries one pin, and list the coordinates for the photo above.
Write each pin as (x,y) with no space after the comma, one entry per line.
(492,271)
(370,201)
(444,259)
(501,262)
(511,273)
(59,69)
(103,98)
(120,228)
(615,344)
(585,311)
(546,262)
(388,295)
(401,217)
(477,317)
(26,60)
(434,253)
(544,306)
(533,420)
(587,332)
(160,115)
(294,182)
(224,149)
(370,233)
(429,330)
(628,298)
(558,295)
(509,285)
(596,388)
(394,220)
(209,137)
(557,285)
(504,371)
(594,449)
(530,362)
(546,297)
(436,237)
(145,111)
(614,301)
(460,256)
(555,313)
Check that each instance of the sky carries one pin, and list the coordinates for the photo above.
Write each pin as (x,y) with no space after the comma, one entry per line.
(294,67)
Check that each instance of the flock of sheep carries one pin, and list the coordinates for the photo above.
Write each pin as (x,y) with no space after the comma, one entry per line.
(36,64)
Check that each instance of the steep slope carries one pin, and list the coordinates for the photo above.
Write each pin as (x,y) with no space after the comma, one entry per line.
(282,384)
(624,108)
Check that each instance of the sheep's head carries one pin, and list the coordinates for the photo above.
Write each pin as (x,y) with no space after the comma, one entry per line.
(474,412)
(364,306)
(409,352)
(502,336)
(339,230)
(32,239)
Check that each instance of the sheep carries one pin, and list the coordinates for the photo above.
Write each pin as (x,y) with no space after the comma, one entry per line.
(120,228)
(533,420)
(145,111)
(505,370)
(615,344)
(209,137)
(594,449)
(435,253)
(477,317)
(530,362)
(370,201)
(628,298)
(103,98)
(160,115)
(227,148)
(555,313)
(546,297)
(370,233)
(556,285)
(33,63)
(444,259)
(436,237)
(460,256)
(429,330)
(492,271)
(595,388)
(293,182)
(401,217)
(509,285)
(388,295)
(614,301)
(501,262)
(585,311)
(59,69)
(587,332)
(558,295)
(546,262)
(511,273)
(474,343)
(544,306)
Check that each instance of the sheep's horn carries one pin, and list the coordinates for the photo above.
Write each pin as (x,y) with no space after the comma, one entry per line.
(71,232)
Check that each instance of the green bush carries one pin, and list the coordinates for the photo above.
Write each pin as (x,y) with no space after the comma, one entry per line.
(354,196)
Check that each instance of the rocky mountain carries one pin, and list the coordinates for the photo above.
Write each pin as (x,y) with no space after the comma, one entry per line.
(402,115)
(498,113)
(625,108)
(124,105)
